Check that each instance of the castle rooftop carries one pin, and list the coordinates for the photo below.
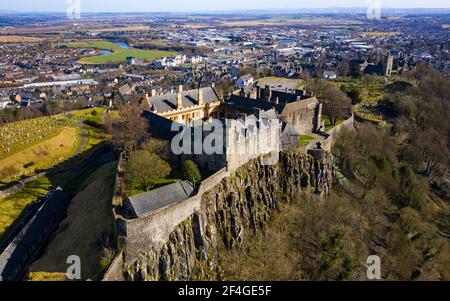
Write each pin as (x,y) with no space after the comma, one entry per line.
(150,201)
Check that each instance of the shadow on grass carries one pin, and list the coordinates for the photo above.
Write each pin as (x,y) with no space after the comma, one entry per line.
(70,174)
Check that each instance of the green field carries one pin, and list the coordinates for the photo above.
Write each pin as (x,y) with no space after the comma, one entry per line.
(119,54)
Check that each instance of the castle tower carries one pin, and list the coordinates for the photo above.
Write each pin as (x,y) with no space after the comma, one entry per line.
(180,97)
(389,65)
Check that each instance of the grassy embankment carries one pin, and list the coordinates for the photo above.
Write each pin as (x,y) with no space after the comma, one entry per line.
(119,54)
(45,154)
(11,207)
(87,231)
(41,143)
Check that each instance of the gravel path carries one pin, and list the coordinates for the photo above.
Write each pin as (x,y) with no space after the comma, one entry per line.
(83,140)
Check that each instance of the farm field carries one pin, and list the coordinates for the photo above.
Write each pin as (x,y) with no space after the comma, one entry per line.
(119,54)
(127,28)
(19,39)
(291,21)
(379,33)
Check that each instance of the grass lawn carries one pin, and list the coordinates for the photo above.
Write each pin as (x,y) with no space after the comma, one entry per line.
(12,206)
(17,136)
(96,134)
(304,139)
(93,124)
(119,54)
(42,142)
(328,125)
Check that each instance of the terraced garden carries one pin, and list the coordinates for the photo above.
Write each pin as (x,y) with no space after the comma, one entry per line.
(372,90)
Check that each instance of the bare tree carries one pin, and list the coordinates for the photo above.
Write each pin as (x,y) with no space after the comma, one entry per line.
(343,68)
(130,129)
(337,105)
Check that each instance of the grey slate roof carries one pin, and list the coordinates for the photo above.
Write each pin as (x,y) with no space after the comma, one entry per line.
(159,198)
(289,136)
(168,102)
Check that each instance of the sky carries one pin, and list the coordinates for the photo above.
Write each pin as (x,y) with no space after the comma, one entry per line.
(205,5)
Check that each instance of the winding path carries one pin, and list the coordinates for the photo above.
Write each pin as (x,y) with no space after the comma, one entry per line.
(83,140)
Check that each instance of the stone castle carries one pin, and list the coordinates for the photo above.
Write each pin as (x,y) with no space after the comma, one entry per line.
(156,226)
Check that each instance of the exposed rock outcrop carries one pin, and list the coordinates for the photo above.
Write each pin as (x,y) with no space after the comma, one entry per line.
(240,205)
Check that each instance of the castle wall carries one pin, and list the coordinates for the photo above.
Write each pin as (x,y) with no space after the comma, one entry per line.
(303,115)
(115,270)
(154,229)
(244,145)
(220,218)
(346,124)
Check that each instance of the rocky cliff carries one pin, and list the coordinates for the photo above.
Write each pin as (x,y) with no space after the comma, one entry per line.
(239,206)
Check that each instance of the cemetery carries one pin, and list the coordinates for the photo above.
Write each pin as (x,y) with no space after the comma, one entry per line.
(31,145)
